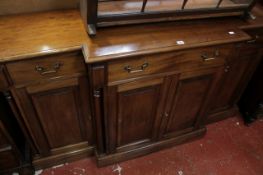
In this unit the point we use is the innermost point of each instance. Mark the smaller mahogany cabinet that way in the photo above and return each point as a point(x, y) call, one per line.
point(52, 96)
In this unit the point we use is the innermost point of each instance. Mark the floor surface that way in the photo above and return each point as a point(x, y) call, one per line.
point(228, 148)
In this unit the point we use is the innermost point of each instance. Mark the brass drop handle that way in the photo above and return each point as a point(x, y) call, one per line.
point(43, 71)
point(254, 40)
point(141, 68)
point(227, 68)
point(207, 58)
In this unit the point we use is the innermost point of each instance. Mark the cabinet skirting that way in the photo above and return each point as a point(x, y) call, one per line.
point(46, 162)
point(104, 160)
point(221, 115)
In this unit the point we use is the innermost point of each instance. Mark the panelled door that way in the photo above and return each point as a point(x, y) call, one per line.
point(188, 101)
point(134, 112)
point(57, 114)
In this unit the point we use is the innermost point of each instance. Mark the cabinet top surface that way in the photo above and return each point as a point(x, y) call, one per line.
point(31, 35)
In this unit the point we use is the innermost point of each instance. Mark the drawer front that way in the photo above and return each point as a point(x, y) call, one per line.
point(181, 61)
point(23, 72)
point(3, 81)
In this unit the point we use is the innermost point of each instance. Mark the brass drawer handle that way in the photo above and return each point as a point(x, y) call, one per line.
point(207, 58)
point(43, 71)
point(129, 69)
point(227, 68)
point(254, 40)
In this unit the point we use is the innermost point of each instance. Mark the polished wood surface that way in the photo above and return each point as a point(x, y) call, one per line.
point(134, 108)
point(184, 115)
point(64, 30)
point(188, 60)
point(120, 42)
point(49, 67)
point(25, 36)
point(135, 120)
point(63, 94)
point(66, 130)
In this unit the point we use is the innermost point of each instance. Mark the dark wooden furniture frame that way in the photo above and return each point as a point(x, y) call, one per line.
point(89, 11)
point(128, 91)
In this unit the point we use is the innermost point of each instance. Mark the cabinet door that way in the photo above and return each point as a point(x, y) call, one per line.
point(56, 114)
point(134, 113)
point(188, 101)
point(237, 73)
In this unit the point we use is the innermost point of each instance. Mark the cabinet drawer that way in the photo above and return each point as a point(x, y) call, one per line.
point(173, 61)
point(3, 81)
point(23, 72)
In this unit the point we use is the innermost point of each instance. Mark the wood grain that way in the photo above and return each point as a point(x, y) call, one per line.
point(121, 42)
point(68, 106)
point(171, 61)
point(25, 36)
point(184, 113)
point(24, 72)
point(50, 32)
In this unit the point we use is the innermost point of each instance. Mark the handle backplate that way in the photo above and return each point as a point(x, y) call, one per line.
point(141, 68)
point(43, 71)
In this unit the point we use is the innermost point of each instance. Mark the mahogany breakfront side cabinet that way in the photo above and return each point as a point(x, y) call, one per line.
point(123, 104)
